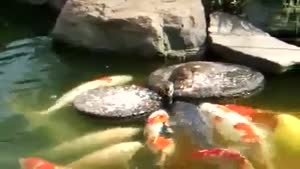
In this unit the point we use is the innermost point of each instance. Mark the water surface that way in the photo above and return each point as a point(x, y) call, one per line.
point(32, 80)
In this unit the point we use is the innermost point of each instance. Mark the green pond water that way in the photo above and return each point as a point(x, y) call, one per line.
point(31, 82)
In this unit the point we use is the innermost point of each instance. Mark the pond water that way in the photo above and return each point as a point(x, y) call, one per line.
point(31, 81)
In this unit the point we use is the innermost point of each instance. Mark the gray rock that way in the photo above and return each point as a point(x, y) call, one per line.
point(174, 28)
point(35, 2)
point(56, 4)
point(240, 42)
point(118, 102)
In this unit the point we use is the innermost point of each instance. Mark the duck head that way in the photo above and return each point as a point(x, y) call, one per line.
point(168, 91)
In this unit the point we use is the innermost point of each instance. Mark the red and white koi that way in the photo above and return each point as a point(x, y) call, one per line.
point(68, 97)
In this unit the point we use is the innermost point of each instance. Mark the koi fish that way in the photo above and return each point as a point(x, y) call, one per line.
point(95, 140)
point(225, 158)
point(37, 163)
point(231, 125)
point(158, 143)
point(101, 82)
point(116, 155)
point(156, 129)
point(157, 133)
point(238, 129)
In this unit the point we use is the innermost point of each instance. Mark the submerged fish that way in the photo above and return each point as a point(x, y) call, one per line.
point(118, 155)
point(101, 82)
point(95, 140)
point(37, 163)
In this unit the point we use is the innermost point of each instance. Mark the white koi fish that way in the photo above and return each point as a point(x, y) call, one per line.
point(117, 155)
point(101, 82)
point(95, 140)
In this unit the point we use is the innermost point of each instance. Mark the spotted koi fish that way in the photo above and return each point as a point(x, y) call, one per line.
point(233, 126)
point(68, 97)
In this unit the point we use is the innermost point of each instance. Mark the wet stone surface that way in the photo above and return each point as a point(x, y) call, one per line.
point(203, 80)
point(128, 101)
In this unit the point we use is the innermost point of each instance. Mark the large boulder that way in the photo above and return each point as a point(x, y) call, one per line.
point(56, 4)
point(175, 28)
point(240, 42)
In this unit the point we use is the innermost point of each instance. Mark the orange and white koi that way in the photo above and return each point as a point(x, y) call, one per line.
point(158, 143)
point(237, 129)
point(232, 125)
point(155, 131)
point(68, 97)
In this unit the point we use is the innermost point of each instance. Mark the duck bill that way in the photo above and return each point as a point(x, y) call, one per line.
point(36, 163)
point(170, 99)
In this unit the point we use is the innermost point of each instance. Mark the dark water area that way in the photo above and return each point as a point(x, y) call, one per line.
point(31, 81)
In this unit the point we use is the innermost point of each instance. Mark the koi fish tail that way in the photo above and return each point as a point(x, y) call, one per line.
point(43, 112)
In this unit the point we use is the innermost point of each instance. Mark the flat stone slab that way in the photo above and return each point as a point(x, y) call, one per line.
point(118, 102)
point(239, 41)
point(208, 80)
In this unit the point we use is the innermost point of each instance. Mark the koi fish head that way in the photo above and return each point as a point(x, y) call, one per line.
point(231, 124)
point(115, 80)
point(157, 131)
point(159, 117)
point(36, 163)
